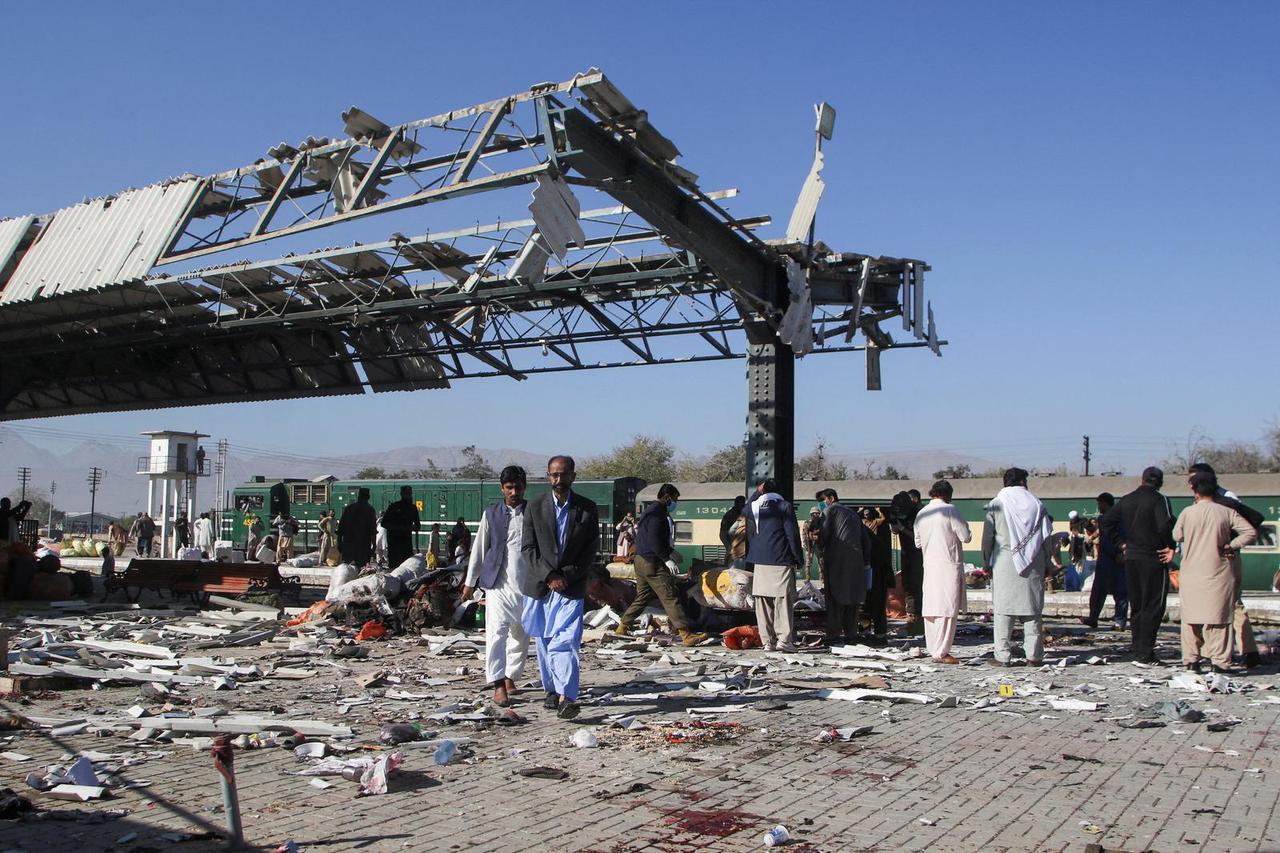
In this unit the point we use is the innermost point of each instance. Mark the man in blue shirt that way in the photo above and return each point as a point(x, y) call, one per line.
point(654, 547)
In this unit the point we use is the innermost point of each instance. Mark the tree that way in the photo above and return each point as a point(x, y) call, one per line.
point(1271, 442)
point(816, 465)
point(649, 457)
point(726, 465)
point(1232, 457)
point(476, 467)
point(954, 472)
point(371, 472)
point(1195, 449)
point(892, 473)
point(1236, 457)
point(431, 472)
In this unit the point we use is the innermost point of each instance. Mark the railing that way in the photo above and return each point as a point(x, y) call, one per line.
point(173, 465)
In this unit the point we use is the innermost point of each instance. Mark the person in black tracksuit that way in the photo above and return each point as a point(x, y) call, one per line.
point(1142, 526)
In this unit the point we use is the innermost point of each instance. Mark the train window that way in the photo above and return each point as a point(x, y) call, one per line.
point(320, 493)
point(246, 503)
point(300, 495)
point(684, 531)
point(1266, 537)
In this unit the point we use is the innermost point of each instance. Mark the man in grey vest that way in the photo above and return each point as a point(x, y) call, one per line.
point(499, 567)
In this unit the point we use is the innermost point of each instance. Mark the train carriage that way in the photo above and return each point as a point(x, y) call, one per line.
point(702, 505)
point(440, 502)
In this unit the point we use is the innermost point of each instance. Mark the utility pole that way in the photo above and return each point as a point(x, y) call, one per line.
point(95, 478)
point(220, 468)
point(1087, 456)
point(24, 477)
point(53, 490)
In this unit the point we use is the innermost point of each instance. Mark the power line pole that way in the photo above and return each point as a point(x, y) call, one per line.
point(24, 477)
point(1087, 456)
point(220, 467)
point(95, 478)
point(53, 490)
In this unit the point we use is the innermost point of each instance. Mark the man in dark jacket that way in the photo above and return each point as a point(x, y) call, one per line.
point(560, 543)
point(1142, 525)
point(846, 545)
point(881, 558)
point(1108, 572)
point(727, 521)
point(402, 523)
point(356, 530)
point(903, 512)
point(773, 554)
point(654, 547)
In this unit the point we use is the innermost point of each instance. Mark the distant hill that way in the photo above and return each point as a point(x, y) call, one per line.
point(123, 490)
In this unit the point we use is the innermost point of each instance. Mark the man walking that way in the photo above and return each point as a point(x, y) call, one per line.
point(846, 548)
point(941, 533)
point(1142, 525)
point(1108, 572)
point(356, 531)
point(654, 547)
point(1015, 537)
point(402, 524)
point(560, 541)
point(146, 534)
point(773, 553)
point(498, 566)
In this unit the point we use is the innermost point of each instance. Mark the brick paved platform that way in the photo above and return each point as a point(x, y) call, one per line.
point(927, 778)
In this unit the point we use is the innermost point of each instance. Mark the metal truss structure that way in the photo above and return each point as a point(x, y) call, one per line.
point(659, 273)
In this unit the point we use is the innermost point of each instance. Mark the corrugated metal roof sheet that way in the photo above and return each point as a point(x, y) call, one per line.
point(100, 242)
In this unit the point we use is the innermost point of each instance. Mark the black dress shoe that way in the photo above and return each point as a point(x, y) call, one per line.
point(568, 710)
point(1194, 667)
point(551, 702)
point(1252, 659)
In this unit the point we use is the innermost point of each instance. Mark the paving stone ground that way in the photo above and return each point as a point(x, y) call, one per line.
point(1015, 775)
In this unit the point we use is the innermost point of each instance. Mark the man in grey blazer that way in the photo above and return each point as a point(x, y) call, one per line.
point(560, 544)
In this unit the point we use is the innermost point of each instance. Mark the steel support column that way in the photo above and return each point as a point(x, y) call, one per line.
point(771, 420)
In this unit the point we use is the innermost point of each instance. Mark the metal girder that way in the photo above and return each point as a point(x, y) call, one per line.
point(624, 172)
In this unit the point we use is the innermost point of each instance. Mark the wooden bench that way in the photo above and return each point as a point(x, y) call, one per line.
point(211, 578)
point(144, 573)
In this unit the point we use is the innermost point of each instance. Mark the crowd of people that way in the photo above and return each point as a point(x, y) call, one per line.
point(1135, 542)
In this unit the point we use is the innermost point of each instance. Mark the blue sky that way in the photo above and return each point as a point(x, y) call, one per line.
point(1095, 185)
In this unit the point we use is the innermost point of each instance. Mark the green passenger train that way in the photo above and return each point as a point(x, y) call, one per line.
point(697, 517)
point(440, 502)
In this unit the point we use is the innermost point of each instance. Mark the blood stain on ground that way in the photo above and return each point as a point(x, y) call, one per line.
point(717, 822)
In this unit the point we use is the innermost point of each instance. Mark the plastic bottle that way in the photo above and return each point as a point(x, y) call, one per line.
point(777, 835)
point(445, 751)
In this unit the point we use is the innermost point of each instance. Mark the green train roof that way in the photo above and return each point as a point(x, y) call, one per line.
point(976, 488)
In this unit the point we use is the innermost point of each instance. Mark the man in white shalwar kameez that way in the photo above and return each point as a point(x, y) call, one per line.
point(204, 533)
point(499, 567)
point(1014, 535)
point(940, 533)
